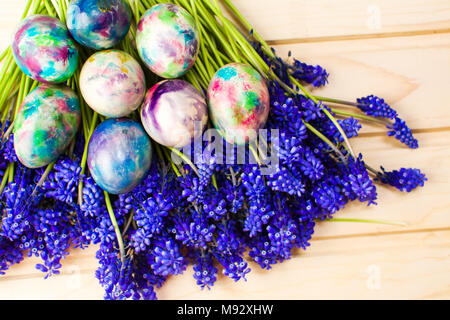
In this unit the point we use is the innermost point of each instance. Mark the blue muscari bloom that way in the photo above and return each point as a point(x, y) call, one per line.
point(287, 180)
point(193, 229)
point(206, 164)
point(150, 220)
point(17, 212)
point(286, 115)
point(62, 182)
point(93, 199)
point(405, 179)
point(262, 253)
point(328, 196)
point(10, 254)
point(234, 266)
point(314, 75)
point(167, 258)
point(204, 271)
point(289, 149)
point(9, 153)
point(256, 219)
point(311, 166)
point(258, 195)
point(376, 107)
point(310, 110)
point(282, 235)
point(215, 207)
point(234, 196)
point(193, 190)
point(401, 132)
point(350, 126)
point(357, 183)
point(112, 275)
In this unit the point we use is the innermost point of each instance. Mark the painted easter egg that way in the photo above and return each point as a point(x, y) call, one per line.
point(43, 49)
point(112, 82)
point(45, 124)
point(119, 155)
point(168, 40)
point(239, 102)
point(174, 113)
point(98, 24)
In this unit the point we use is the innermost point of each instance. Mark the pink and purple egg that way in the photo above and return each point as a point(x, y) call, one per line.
point(46, 123)
point(167, 40)
point(174, 113)
point(119, 155)
point(98, 24)
point(239, 102)
point(43, 49)
point(112, 82)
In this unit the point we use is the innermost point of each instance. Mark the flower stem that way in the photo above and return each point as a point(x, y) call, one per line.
point(185, 159)
point(116, 227)
point(338, 101)
point(360, 116)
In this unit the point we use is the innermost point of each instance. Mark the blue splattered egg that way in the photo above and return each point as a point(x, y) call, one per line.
point(119, 155)
point(98, 24)
point(43, 49)
point(167, 40)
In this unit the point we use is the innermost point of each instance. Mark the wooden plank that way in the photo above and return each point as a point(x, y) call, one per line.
point(402, 266)
point(293, 19)
point(411, 73)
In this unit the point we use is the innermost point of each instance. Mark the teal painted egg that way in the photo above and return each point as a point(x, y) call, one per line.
point(239, 102)
point(46, 123)
point(43, 49)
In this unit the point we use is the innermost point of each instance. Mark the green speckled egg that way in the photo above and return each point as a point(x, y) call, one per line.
point(46, 122)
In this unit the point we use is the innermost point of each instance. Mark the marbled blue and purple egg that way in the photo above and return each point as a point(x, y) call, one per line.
point(239, 102)
point(43, 49)
point(46, 123)
point(168, 40)
point(112, 82)
point(119, 155)
point(174, 113)
point(98, 24)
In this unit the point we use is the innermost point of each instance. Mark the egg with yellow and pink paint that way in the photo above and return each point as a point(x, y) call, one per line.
point(112, 83)
point(167, 40)
point(174, 113)
point(239, 102)
point(46, 123)
point(43, 49)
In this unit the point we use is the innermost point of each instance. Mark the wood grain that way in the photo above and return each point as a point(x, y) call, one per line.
point(404, 57)
point(303, 19)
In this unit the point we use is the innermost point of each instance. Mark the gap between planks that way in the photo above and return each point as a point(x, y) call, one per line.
point(359, 36)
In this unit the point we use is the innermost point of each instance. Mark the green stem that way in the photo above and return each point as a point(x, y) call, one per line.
point(185, 159)
point(116, 227)
point(326, 140)
point(5, 178)
point(338, 101)
point(360, 116)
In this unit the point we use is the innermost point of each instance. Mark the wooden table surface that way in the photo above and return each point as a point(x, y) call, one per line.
point(396, 49)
